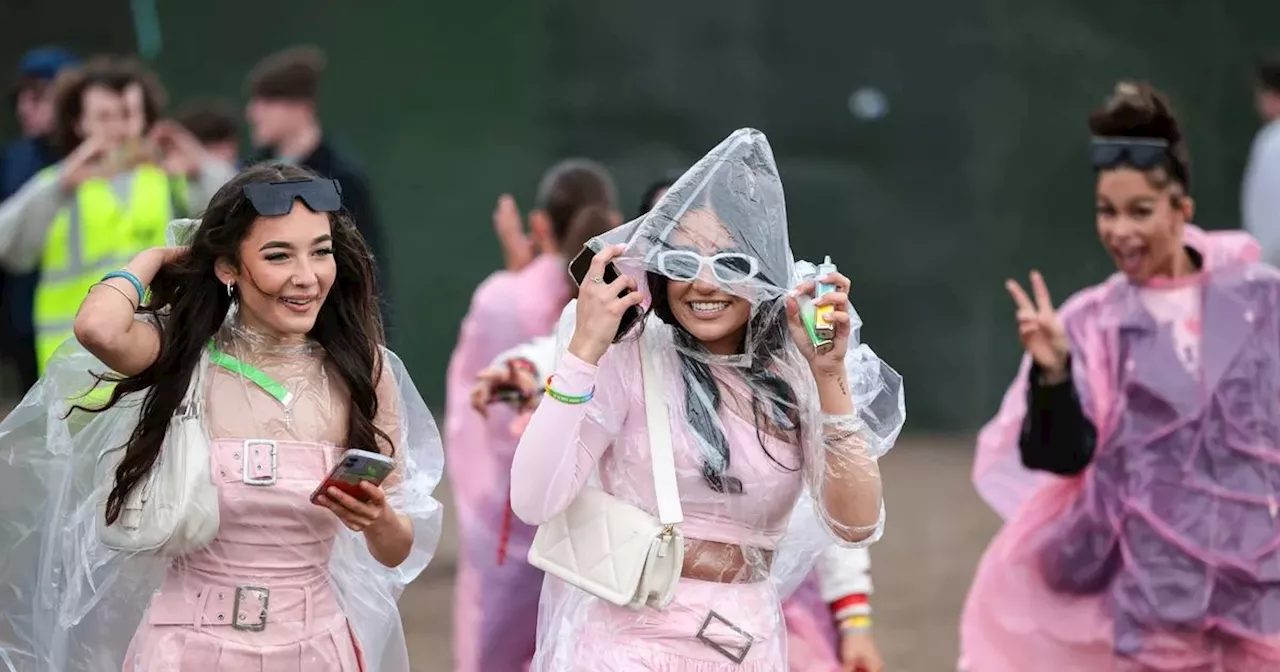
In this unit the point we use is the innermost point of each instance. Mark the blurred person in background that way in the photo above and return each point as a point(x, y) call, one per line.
point(496, 599)
point(213, 123)
point(284, 125)
point(1261, 191)
point(121, 177)
point(524, 366)
point(19, 162)
point(828, 617)
point(33, 108)
point(1135, 458)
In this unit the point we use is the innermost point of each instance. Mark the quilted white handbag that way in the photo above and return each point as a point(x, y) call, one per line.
point(173, 510)
point(614, 549)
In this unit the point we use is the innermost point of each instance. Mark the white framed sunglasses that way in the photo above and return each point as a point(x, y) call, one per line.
point(727, 267)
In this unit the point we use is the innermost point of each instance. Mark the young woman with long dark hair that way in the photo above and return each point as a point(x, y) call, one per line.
point(269, 306)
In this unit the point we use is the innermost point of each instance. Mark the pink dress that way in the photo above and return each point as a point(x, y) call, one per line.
point(259, 598)
point(812, 640)
point(496, 595)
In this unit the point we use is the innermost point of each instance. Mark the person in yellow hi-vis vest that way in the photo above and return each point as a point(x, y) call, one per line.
point(123, 178)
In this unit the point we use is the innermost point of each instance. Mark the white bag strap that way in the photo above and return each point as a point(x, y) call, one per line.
point(193, 401)
point(657, 416)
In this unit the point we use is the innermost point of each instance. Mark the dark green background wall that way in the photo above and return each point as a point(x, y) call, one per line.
point(977, 172)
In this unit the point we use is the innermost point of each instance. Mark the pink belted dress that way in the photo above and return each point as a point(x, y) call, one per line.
point(259, 598)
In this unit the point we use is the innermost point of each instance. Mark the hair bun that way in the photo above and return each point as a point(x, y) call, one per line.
point(1136, 110)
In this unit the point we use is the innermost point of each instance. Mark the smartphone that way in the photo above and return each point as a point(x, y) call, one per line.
point(578, 271)
point(354, 467)
point(509, 394)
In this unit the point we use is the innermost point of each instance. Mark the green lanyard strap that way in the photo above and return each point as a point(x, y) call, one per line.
point(256, 376)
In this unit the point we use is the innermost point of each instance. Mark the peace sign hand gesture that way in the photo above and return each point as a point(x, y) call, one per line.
point(1040, 329)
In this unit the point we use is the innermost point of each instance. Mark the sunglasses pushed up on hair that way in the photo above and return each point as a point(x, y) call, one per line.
point(1140, 153)
point(272, 199)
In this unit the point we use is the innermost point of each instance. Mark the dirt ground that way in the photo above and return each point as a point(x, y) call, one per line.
point(937, 528)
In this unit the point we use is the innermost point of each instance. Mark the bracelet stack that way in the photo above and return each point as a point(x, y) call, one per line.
point(852, 613)
point(568, 398)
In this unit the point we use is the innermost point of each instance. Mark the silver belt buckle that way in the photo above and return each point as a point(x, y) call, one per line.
point(736, 656)
point(245, 461)
point(237, 618)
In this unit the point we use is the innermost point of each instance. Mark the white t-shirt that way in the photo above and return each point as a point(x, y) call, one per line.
point(1260, 192)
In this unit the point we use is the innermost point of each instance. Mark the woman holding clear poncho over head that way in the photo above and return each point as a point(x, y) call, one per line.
point(271, 310)
point(757, 415)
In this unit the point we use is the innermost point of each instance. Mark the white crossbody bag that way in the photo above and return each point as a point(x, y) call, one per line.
point(173, 510)
point(611, 548)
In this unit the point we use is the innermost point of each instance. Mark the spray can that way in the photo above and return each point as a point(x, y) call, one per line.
point(822, 324)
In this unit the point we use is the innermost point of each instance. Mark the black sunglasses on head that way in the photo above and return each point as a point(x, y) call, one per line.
point(272, 199)
point(1141, 153)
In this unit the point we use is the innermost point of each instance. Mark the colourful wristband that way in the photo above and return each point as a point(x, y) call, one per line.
point(855, 604)
point(857, 623)
point(568, 398)
point(133, 280)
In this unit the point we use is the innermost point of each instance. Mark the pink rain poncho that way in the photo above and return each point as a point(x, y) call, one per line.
point(1164, 553)
point(766, 480)
point(496, 598)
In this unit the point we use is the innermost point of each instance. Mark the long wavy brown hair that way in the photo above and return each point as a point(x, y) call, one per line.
point(189, 294)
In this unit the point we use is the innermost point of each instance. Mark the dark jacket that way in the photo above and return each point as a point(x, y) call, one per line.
point(19, 162)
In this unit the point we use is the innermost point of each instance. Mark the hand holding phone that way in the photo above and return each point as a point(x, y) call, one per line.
point(608, 303)
point(353, 490)
point(354, 467)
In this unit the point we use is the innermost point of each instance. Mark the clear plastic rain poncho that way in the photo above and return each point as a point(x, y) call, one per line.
point(310, 590)
point(766, 479)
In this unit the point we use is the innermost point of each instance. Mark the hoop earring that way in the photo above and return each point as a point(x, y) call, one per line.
point(230, 286)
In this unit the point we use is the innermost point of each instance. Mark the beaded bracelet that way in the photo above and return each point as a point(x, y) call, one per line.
point(568, 398)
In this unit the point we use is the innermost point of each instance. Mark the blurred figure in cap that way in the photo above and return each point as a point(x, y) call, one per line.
point(33, 107)
point(20, 161)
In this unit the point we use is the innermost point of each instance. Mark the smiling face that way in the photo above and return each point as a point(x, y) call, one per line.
point(286, 271)
point(1140, 219)
point(701, 262)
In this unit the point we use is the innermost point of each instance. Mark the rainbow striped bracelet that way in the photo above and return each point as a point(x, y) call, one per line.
point(568, 398)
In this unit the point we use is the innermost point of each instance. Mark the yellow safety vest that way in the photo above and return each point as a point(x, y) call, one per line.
point(94, 235)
